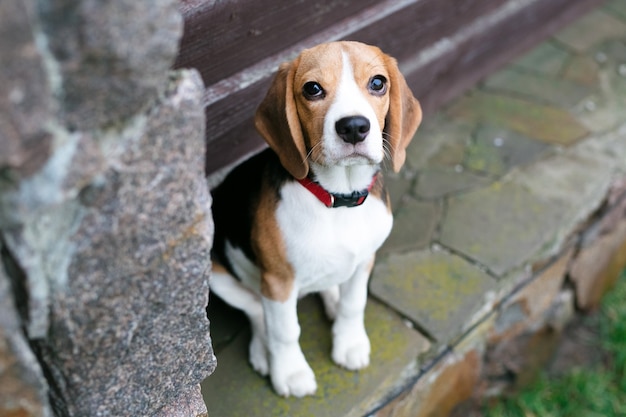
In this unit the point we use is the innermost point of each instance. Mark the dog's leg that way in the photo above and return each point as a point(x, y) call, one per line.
point(330, 298)
point(289, 371)
point(237, 295)
point(351, 346)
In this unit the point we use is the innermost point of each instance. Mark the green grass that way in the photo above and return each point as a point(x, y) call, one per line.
point(581, 392)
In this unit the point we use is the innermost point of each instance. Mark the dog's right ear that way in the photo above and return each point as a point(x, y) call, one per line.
point(277, 120)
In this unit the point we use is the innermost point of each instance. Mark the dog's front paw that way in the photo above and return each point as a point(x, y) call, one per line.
point(258, 356)
point(296, 381)
point(351, 351)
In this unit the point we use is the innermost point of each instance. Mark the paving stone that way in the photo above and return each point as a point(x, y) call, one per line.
point(546, 58)
point(582, 69)
point(398, 186)
point(607, 108)
point(541, 88)
point(617, 8)
point(530, 213)
point(415, 222)
point(440, 142)
point(614, 53)
point(576, 181)
point(439, 182)
point(439, 291)
point(546, 123)
point(590, 30)
point(500, 226)
point(495, 150)
point(235, 389)
point(476, 338)
point(600, 113)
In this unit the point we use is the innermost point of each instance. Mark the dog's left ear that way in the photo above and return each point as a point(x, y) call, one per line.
point(403, 117)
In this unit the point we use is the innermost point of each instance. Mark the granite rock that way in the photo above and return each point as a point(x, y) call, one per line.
point(24, 92)
point(136, 284)
point(23, 389)
point(105, 224)
point(110, 57)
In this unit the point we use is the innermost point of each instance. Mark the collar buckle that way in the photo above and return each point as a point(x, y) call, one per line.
point(332, 200)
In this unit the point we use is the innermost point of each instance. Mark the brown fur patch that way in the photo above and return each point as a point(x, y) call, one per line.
point(218, 267)
point(321, 64)
point(277, 274)
point(379, 191)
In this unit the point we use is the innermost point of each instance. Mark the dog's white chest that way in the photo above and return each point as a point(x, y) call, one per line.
point(326, 245)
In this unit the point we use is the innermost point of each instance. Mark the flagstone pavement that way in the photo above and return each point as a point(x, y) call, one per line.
point(494, 185)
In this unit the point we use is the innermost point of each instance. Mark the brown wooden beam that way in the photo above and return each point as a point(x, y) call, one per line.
point(443, 47)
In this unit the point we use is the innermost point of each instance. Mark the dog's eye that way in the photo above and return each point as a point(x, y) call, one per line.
point(313, 91)
point(378, 85)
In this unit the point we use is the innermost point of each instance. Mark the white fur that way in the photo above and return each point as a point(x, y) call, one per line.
point(330, 249)
point(350, 101)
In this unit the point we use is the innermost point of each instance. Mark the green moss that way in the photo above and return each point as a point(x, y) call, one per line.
point(236, 390)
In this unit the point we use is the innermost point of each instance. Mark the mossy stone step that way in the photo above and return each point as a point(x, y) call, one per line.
point(236, 390)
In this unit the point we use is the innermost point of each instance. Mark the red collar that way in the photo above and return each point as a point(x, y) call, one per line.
point(356, 198)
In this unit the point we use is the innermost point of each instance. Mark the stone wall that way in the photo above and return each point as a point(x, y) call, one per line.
point(105, 226)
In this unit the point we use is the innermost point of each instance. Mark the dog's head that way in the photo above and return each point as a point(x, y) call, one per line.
point(339, 103)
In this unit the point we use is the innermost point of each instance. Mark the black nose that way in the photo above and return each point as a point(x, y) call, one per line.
point(353, 129)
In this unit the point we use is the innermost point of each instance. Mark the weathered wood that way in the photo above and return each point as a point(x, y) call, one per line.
point(443, 47)
point(224, 37)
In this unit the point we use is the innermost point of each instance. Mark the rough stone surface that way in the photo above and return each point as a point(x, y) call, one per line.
point(546, 58)
point(496, 150)
point(603, 111)
point(545, 89)
point(549, 124)
point(437, 290)
point(597, 267)
point(25, 103)
point(439, 142)
point(416, 222)
point(592, 29)
point(235, 389)
point(436, 183)
point(470, 229)
point(136, 287)
point(23, 389)
point(582, 69)
point(106, 230)
point(451, 382)
point(102, 50)
point(529, 305)
point(618, 8)
point(540, 204)
point(189, 404)
point(397, 186)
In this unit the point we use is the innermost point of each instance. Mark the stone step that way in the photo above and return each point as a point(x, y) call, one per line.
point(508, 196)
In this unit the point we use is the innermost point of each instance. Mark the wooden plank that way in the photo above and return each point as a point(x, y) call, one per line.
point(443, 47)
point(224, 37)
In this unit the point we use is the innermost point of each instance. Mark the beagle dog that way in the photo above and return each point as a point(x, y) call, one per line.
point(308, 213)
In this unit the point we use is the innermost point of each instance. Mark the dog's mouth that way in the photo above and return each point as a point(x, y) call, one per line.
point(357, 157)
point(339, 153)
